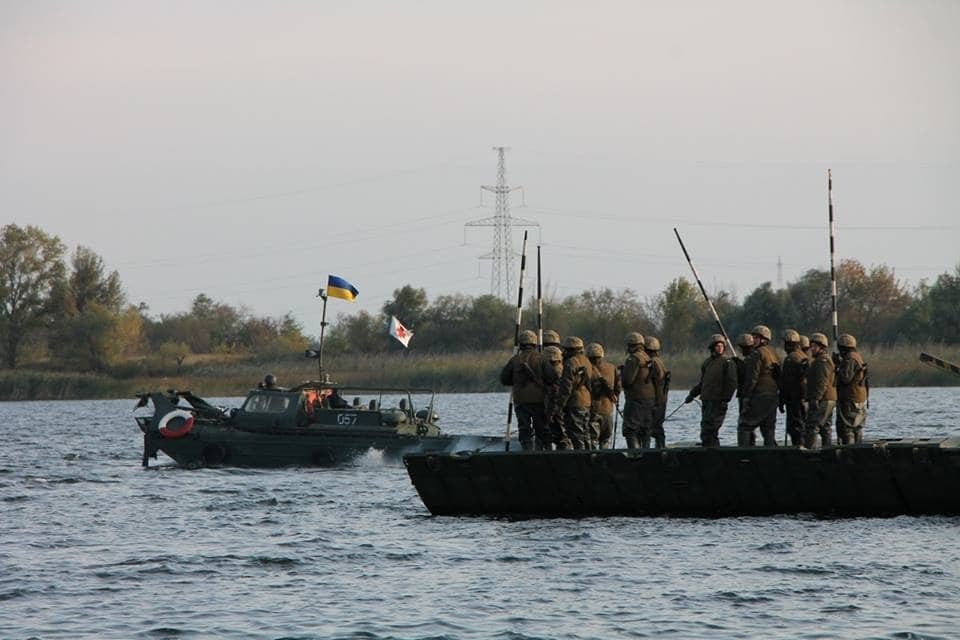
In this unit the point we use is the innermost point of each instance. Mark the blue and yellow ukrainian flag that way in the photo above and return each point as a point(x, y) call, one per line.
point(340, 288)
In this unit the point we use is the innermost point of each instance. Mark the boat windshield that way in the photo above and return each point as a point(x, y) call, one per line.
point(266, 403)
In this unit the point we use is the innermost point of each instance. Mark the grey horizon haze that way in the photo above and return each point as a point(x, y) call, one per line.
point(246, 150)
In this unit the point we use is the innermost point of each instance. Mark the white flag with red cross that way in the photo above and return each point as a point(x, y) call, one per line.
point(400, 332)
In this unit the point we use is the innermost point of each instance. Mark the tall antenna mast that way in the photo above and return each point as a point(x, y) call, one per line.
point(501, 269)
point(779, 272)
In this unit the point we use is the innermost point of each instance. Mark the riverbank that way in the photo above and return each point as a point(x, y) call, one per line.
point(461, 372)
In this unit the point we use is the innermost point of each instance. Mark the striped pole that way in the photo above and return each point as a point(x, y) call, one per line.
point(713, 309)
point(539, 305)
point(833, 270)
point(516, 336)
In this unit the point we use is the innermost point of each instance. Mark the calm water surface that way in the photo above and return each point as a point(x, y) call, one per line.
point(93, 546)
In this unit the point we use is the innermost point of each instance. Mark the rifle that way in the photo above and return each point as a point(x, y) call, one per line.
point(937, 362)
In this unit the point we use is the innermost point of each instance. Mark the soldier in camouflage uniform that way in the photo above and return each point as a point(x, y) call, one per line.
point(660, 377)
point(852, 391)
point(574, 393)
point(552, 339)
point(761, 391)
point(821, 393)
point(606, 397)
point(639, 394)
point(552, 370)
point(793, 386)
point(745, 342)
point(524, 372)
point(718, 381)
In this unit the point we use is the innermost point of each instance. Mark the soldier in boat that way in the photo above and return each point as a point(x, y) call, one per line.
point(574, 393)
point(852, 390)
point(745, 342)
point(524, 372)
point(718, 381)
point(640, 394)
point(793, 383)
point(552, 370)
point(660, 377)
point(605, 393)
point(821, 393)
point(761, 391)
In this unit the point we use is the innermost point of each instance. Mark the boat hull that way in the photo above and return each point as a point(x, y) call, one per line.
point(225, 445)
point(880, 478)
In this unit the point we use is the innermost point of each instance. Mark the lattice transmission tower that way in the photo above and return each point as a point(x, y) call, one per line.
point(502, 254)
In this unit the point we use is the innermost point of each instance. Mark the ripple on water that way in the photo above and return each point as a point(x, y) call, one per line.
point(350, 552)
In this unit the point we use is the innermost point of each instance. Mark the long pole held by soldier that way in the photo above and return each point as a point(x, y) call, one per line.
point(539, 305)
point(833, 270)
point(516, 337)
point(713, 309)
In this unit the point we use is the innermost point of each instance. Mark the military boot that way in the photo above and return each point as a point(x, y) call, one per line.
point(745, 438)
point(632, 441)
point(826, 438)
point(769, 436)
point(661, 442)
point(526, 445)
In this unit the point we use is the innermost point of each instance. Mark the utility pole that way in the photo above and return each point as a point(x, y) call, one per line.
point(779, 272)
point(501, 256)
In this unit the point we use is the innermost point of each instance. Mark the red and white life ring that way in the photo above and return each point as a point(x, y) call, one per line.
point(176, 430)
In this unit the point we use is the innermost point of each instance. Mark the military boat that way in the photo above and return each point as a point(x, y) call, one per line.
point(308, 425)
point(880, 478)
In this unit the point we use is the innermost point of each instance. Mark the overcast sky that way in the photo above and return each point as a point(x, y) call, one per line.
point(247, 149)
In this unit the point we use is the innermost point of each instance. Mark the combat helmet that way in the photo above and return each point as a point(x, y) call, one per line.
point(551, 337)
point(847, 341)
point(527, 338)
point(763, 331)
point(652, 344)
point(790, 335)
point(553, 354)
point(745, 340)
point(595, 350)
point(715, 338)
point(573, 342)
point(634, 338)
point(804, 342)
point(820, 339)
point(270, 381)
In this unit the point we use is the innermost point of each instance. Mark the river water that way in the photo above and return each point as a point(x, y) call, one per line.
point(93, 546)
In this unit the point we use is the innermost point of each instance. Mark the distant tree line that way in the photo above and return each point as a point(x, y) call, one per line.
point(69, 313)
point(73, 314)
point(873, 305)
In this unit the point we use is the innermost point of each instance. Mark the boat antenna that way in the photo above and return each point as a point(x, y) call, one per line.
point(833, 270)
point(713, 309)
point(516, 337)
point(539, 305)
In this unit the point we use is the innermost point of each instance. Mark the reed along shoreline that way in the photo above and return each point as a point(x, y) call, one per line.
point(470, 372)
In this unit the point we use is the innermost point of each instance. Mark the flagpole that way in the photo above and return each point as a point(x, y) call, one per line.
point(516, 336)
point(323, 326)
